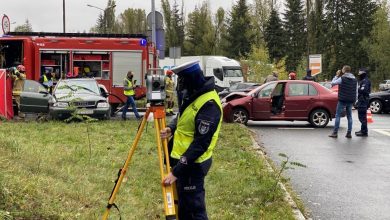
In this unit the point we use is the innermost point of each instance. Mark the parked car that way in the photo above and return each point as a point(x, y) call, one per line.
point(385, 85)
point(238, 87)
point(289, 100)
point(82, 95)
point(328, 85)
point(380, 102)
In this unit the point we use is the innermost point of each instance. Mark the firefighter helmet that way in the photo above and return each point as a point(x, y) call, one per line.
point(292, 76)
point(21, 68)
point(169, 73)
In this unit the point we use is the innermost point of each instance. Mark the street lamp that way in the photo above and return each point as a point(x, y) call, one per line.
point(104, 14)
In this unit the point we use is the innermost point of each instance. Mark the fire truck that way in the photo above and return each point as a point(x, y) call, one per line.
point(105, 57)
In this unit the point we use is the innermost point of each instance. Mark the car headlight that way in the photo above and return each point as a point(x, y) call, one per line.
point(61, 104)
point(103, 105)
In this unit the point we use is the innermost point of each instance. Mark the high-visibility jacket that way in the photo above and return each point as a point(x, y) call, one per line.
point(128, 92)
point(185, 130)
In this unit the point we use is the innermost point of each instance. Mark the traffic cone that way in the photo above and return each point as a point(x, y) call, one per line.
point(369, 116)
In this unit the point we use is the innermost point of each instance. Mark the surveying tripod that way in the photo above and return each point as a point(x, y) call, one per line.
point(169, 192)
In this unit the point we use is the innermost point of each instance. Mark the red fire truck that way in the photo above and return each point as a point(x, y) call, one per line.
point(106, 57)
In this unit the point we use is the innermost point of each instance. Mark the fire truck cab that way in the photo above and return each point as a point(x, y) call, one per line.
point(105, 57)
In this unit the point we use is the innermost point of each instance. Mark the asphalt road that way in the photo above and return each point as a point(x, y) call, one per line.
point(345, 178)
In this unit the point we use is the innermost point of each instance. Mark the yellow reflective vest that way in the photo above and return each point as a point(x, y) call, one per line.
point(185, 130)
point(128, 92)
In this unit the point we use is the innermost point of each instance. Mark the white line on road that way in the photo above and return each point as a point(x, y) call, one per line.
point(295, 128)
point(383, 131)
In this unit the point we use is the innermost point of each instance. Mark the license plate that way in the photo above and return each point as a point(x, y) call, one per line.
point(84, 111)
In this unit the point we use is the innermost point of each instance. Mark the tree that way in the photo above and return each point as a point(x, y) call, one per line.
point(174, 24)
point(358, 26)
point(296, 35)
point(220, 31)
point(378, 44)
point(315, 28)
point(259, 64)
point(200, 32)
point(106, 20)
point(260, 15)
point(26, 27)
point(239, 31)
point(275, 37)
point(131, 21)
point(335, 22)
point(109, 16)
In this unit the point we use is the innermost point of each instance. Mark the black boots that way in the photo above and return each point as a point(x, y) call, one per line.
point(361, 134)
point(333, 135)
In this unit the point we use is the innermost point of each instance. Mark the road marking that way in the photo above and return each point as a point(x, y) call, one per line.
point(295, 128)
point(383, 131)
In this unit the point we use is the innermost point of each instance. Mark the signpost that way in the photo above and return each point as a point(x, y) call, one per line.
point(315, 64)
point(5, 24)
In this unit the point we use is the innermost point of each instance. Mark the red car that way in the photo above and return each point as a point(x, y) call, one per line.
point(287, 100)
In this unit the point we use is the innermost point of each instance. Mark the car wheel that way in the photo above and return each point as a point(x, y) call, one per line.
point(240, 115)
point(376, 106)
point(319, 118)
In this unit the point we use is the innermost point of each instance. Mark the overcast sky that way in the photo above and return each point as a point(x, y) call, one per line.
point(46, 15)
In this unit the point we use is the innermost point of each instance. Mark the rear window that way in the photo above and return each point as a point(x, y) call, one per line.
point(301, 89)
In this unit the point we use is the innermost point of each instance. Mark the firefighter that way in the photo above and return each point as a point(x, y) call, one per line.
point(169, 89)
point(128, 90)
point(18, 76)
point(195, 133)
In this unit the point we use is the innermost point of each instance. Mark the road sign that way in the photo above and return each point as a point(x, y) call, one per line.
point(315, 64)
point(159, 20)
point(5, 24)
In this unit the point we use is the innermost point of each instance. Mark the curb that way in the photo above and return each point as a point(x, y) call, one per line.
point(259, 150)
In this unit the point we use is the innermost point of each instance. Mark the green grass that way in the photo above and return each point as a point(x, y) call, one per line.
point(51, 171)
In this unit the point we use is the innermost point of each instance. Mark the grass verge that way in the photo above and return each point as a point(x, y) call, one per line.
point(51, 171)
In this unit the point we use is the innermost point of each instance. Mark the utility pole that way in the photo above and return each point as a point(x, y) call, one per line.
point(63, 15)
point(153, 23)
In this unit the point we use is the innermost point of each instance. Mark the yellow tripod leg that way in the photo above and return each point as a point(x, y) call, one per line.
point(162, 147)
point(123, 170)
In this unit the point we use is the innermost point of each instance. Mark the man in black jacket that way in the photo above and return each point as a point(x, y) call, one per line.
point(347, 96)
point(364, 91)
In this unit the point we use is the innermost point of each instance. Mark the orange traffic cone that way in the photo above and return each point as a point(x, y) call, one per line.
point(369, 116)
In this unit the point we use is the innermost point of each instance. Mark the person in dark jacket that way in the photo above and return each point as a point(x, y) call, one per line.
point(347, 97)
point(364, 91)
point(308, 75)
point(195, 133)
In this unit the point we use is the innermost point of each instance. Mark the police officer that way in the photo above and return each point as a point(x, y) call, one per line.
point(364, 91)
point(169, 89)
point(195, 134)
point(128, 91)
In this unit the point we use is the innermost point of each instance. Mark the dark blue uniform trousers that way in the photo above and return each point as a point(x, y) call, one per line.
point(362, 114)
point(191, 192)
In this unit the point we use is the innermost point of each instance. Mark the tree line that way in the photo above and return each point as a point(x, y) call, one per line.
point(345, 32)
